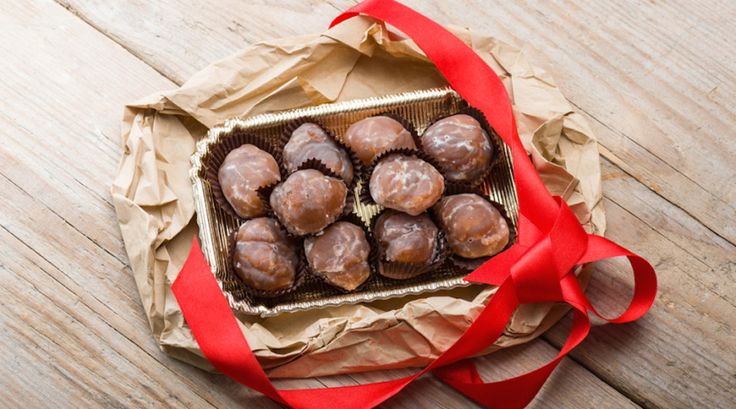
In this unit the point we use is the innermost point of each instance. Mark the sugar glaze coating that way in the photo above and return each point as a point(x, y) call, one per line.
point(308, 201)
point(406, 183)
point(473, 226)
point(264, 257)
point(460, 146)
point(244, 170)
point(340, 255)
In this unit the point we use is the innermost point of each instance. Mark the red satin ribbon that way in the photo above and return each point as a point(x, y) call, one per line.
point(538, 268)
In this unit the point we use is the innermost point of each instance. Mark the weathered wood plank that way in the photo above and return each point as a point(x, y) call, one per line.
point(569, 387)
point(565, 381)
point(172, 36)
point(681, 354)
point(561, 391)
point(76, 346)
point(657, 73)
point(74, 333)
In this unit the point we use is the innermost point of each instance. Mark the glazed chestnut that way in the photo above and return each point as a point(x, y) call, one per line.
point(473, 226)
point(310, 141)
point(340, 255)
point(406, 239)
point(460, 146)
point(406, 183)
point(308, 201)
point(372, 136)
point(264, 257)
point(244, 170)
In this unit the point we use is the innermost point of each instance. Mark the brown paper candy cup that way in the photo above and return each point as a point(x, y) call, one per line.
point(404, 271)
point(354, 161)
point(255, 292)
point(264, 193)
point(216, 157)
point(353, 219)
point(316, 164)
point(404, 123)
point(470, 264)
point(365, 194)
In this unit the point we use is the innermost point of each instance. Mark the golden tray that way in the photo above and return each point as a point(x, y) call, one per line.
point(215, 226)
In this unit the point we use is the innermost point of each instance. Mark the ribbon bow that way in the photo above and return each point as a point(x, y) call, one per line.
point(538, 268)
point(539, 261)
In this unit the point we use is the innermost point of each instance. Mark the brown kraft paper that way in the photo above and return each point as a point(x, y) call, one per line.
point(152, 193)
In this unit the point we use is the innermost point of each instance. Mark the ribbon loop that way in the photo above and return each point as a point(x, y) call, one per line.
point(569, 239)
point(550, 256)
point(534, 275)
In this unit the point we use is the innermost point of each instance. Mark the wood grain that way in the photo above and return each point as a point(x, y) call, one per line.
point(681, 354)
point(71, 315)
point(70, 309)
point(654, 73)
point(560, 391)
point(180, 38)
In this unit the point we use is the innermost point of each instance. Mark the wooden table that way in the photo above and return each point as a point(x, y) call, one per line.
point(656, 79)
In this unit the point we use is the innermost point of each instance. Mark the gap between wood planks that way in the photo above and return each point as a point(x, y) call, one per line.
point(608, 154)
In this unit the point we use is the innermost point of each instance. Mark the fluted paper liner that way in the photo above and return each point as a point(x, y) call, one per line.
point(365, 194)
point(464, 264)
point(495, 141)
point(238, 284)
point(316, 164)
point(354, 161)
point(403, 271)
point(216, 155)
point(354, 219)
point(405, 123)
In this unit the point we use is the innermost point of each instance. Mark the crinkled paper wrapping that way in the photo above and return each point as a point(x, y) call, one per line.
point(357, 59)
